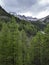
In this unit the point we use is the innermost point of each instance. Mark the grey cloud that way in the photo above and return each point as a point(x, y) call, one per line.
point(21, 6)
point(37, 8)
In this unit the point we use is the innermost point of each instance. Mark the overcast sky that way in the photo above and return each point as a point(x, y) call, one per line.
point(34, 8)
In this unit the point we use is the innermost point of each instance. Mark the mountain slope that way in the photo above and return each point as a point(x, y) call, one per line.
point(4, 15)
point(3, 12)
point(39, 23)
point(45, 19)
point(22, 17)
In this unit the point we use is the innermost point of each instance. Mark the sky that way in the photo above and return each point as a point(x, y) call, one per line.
point(34, 8)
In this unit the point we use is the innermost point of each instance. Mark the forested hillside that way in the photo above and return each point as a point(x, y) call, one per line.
point(23, 42)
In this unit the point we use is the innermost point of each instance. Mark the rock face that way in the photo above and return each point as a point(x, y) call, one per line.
point(26, 18)
point(45, 19)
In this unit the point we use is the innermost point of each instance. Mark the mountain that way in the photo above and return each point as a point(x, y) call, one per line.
point(6, 15)
point(32, 19)
point(26, 18)
point(45, 19)
point(3, 12)
point(23, 17)
point(38, 23)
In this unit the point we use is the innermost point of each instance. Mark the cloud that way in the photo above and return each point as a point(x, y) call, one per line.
point(35, 8)
point(18, 5)
point(1, 3)
point(26, 13)
point(42, 14)
point(44, 2)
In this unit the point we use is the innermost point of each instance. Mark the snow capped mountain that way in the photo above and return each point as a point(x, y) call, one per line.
point(45, 19)
point(32, 19)
point(29, 18)
point(26, 18)
point(4, 14)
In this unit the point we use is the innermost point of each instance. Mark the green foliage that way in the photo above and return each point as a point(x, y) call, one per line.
point(22, 44)
point(47, 29)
